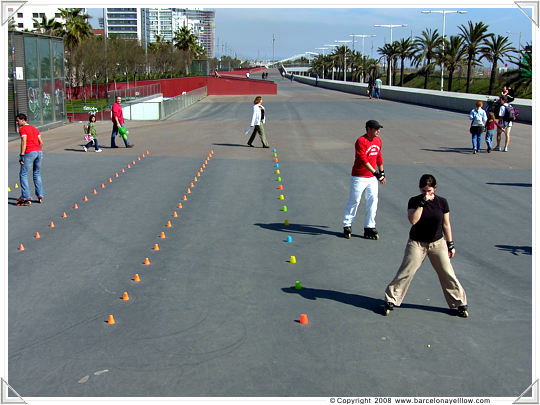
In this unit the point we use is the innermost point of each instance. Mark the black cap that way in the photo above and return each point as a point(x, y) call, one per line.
point(373, 124)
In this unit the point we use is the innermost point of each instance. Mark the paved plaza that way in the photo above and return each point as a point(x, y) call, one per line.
point(216, 312)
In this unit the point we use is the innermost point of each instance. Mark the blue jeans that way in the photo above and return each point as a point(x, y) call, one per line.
point(489, 138)
point(29, 159)
point(476, 133)
point(93, 142)
point(377, 92)
point(114, 133)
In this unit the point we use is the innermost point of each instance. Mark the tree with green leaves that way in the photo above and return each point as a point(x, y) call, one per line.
point(405, 51)
point(474, 36)
point(388, 52)
point(75, 27)
point(48, 26)
point(495, 49)
point(187, 42)
point(427, 46)
point(454, 55)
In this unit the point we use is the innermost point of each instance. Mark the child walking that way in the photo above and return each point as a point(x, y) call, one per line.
point(490, 130)
point(90, 130)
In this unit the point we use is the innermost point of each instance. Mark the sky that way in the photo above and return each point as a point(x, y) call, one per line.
point(248, 32)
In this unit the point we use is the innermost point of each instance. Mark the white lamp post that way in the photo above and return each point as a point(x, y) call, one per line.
point(443, 12)
point(322, 49)
point(363, 36)
point(344, 59)
point(332, 60)
point(390, 26)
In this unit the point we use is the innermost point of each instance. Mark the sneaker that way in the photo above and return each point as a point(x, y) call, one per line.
point(130, 145)
point(24, 203)
point(496, 148)
point(114, 147)
point(347, 232)
point(99, 150)
point(40, 200)
point(266, 146)
point(388, 306)
point(506, 149)
point(84, 148)
point(462, 311)
point(474, 151)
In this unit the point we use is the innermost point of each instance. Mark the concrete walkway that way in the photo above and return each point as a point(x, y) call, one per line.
point(216, 313)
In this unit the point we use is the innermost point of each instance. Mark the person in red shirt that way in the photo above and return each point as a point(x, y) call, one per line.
point(30, 157)
point(118, 121)
point(365, 176)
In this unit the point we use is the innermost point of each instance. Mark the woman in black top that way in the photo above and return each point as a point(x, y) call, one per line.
point(430, 218)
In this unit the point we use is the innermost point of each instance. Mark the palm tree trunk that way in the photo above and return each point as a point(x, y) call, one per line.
point(492, 77)
point(388, 73)
point(469, 66)
point(450, 74)
point(401, 72)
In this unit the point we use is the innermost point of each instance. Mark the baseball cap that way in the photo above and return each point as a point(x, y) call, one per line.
point(373, 124)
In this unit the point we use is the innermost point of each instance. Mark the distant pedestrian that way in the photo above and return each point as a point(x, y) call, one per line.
point(371, 86)
point(257, 120)
point(216, 73)
point(118, 121)
point(490, 130)
point(430, 219)
point(317, 80)
point(292, 77)
point(506, 123)
point(30, 157)
point(510, 95)
point(478, 119)
point(365, 176)
point(91, 134)
point(378, 87)
point(247, 75)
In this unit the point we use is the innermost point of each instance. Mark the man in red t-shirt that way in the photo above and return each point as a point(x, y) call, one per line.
point(30, 156)
point(118, 121)
point(364, 176)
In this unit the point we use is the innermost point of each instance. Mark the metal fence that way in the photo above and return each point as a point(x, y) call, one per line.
point(175, 104)
point(133, 93)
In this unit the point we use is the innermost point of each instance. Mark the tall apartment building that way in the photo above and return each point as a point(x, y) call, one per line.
point(123, 22)
point(24, 17)
point(165, 21)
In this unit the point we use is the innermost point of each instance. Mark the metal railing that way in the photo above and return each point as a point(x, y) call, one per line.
point(175, 104)
point(133, 93)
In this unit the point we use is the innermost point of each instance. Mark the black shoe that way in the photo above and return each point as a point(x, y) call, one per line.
point(266, 146)
point(388, 306)
point(371, 233)
point(130, 145)
point(250, 145)
point(347, 232)
point(489, 150)
point(462, 311)
point(114, 146)
point(23, 203)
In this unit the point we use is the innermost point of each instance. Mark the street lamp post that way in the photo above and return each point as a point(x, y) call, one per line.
point(332, 60)
point(344, 59)
point(508, 32)
point(390, 26)
point(443, 12)
point(323, 49)
point(363, 36)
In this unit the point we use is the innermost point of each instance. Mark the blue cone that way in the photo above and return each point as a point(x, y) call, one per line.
point(289, 239)
point(274, 151)
point(277, 164)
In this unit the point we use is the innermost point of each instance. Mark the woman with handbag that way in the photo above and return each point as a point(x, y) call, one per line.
point(478, 119)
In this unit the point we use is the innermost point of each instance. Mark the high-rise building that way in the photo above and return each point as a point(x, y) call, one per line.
point(123, 22)
point(25, 16)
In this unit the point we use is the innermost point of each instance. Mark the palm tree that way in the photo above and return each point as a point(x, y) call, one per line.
point(427, 45)
point(48, 26)
point(405, 51)
point(76, 27)
point(474, 36)
point(454, 55)
point(187, 42)
point(387, 51)
point(495, 50)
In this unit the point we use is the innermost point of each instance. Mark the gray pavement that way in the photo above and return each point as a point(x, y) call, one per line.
point(215, 313)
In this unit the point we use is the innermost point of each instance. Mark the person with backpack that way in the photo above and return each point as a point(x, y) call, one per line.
point(91, 134)
point(507, 115)
point(478, 119)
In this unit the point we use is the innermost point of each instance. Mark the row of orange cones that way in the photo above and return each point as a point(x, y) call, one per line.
point(136, 278)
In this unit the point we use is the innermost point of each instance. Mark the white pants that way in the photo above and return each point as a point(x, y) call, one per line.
point(358, 185)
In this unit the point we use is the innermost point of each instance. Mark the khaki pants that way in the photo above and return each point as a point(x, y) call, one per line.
point(415, 253)
point(260, 130)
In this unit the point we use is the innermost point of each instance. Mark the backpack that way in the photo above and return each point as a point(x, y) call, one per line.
point(510, 113)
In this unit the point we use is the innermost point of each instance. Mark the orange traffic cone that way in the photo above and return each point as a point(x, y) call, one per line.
point(21, 247)
point(204, 166)
point(143, 155)
point(133, 162)
point(188, 191)
point(156, 247)
point(195, 179)
point(51, 224)
point(175, 214)
point(136, 279)
point(169, 225)
point(162, 236)
point(128, 166)
point(199, 173)
point(111, 320)
point(37, 235)
point(125, 297)
point(147, 152)
point(110, 180)
point(85, 198)
point(184, 198)
point(138, 158)
point(304, 319)
point(102, 185)
point(179, 205)
point(94, 192)
point(191, 184)
point(64, 215)
point(123, 170)
point(146, 261)
point(75, 207)
point(116, 174)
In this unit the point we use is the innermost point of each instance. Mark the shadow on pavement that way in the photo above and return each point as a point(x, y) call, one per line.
point(299, 228)
point(463, 151)
point(232, 144)
point(511, 184)
point(516, 250)
point(357, 300)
